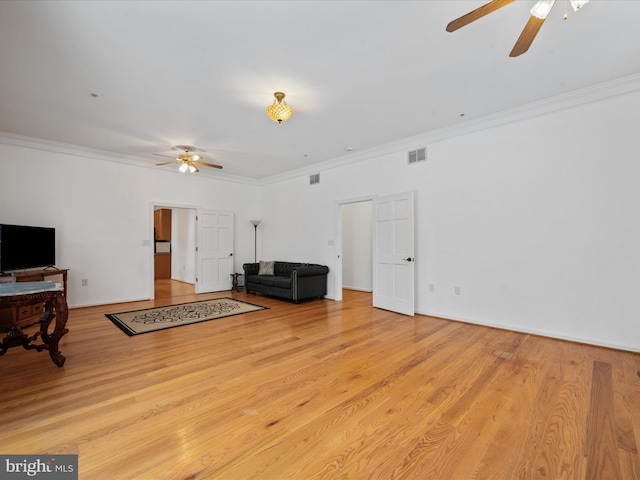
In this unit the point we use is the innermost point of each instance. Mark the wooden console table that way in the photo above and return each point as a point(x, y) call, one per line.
point(29, 314)
point(41, 275)
point(55, 307)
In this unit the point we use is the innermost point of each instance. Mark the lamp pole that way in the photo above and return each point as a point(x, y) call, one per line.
point(255, 224)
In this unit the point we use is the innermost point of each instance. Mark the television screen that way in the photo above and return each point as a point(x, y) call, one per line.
point(23, 247)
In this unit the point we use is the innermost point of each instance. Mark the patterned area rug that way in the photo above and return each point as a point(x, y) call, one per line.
point(153, 319)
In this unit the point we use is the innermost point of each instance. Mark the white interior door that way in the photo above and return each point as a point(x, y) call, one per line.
point(214, 251)
point(393, 253)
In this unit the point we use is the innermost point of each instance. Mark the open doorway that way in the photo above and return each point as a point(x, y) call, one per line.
point(357, 270)
point(174, 259)
point(354, 244)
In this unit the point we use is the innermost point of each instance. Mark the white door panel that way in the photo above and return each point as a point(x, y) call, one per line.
point(393, 251)
point(214, 252)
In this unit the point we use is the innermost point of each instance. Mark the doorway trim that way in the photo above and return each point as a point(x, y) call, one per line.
point(337, 215)
point(152, 206)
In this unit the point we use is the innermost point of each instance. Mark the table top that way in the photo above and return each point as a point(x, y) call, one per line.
point(24, 288)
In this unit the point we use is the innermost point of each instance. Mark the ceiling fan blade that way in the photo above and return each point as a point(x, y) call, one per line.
point(165, 163)
point(476, 14)
point(205, 164)
point(166, 156)
point(527, 36)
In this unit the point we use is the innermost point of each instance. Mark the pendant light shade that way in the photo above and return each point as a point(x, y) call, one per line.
point(279, 111)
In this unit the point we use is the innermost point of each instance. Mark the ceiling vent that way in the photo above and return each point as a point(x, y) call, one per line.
point(313, 179)
point(415, 156)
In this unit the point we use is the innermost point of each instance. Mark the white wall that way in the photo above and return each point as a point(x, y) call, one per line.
point(536, 222)
point(357, 269)
point(102, 215)
point(183, 240)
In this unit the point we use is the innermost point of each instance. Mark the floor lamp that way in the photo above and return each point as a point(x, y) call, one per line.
point(255, 224)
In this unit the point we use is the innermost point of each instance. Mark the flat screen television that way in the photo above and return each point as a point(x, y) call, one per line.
point(23, 247)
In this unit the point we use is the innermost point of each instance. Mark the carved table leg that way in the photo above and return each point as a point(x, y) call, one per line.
point(55, 308)
point(61, 315)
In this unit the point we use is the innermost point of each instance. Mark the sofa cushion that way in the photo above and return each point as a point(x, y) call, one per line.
point(268, 280)
point(266, 268)
point(280, 282)
point(253, 279)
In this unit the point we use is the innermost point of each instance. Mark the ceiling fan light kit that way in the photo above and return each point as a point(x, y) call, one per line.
point(578, 4)
point(187, 162)
point(539, 14)
point(279, 111)
point(542, 8)
point(188, 167)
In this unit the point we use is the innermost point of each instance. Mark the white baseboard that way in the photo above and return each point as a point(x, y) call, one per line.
point(541, 333)
point(108, 302)
point(358, 289)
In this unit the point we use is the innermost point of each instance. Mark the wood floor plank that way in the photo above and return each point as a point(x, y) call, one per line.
point(631, 387)
point(602, 445)
point(623, 421)
point(321, 390)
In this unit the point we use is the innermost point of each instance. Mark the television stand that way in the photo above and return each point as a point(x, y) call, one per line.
point(25, 315)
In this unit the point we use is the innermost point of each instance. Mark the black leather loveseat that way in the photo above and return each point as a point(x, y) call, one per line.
point(293, 281)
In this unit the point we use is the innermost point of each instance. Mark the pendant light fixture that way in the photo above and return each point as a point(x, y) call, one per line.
point(279, 111)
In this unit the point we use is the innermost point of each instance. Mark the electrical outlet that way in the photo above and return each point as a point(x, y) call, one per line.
point(432, 287)
point(85, 282)
point(456, 290)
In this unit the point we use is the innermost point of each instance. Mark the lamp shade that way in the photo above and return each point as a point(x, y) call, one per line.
point(255, 224)
point(279, 111)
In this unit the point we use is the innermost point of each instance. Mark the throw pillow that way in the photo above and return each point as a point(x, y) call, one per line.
point(266, 268)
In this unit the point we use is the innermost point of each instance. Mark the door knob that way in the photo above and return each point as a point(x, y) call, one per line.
point(408, 259)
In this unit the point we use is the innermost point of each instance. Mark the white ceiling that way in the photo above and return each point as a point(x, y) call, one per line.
point(358, 74)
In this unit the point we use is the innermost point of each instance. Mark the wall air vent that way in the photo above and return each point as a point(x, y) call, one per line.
point(313, 179)
point(415, 156)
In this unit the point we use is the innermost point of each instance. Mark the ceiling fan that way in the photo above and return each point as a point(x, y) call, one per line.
point(539, 14)
point(188, 161)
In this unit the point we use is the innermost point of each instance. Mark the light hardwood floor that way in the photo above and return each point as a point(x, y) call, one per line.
point(322, 390)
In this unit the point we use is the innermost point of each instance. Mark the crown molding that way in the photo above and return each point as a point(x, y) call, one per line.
point(594, 93)
point(106, 156)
